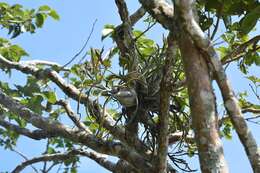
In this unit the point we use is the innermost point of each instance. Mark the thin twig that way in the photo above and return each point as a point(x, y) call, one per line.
point(215, 29)
point(25, 158)
point(84, 46)
point(147, 29)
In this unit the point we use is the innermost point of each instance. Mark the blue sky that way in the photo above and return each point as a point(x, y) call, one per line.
point(59, 41)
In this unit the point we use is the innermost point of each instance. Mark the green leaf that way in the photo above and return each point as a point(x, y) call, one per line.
point(257, 60)
point(50, 96)
point(44, 8)
point(18, 51)
point(4, 5)
point(73, 170)
point(254, 79)
point(11, 52)
point(106, 63)
point(243, 68)
point(250, 20)
point(107, 31)
point(51, 150)
point(249, 58)
point(54, 15)
point(40, 19)
point(223, 51)
point(16, 31)
point(34, 103)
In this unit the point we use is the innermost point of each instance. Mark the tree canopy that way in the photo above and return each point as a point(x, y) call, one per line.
point(145, 102)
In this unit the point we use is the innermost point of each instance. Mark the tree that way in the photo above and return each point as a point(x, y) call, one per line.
point(165, 91)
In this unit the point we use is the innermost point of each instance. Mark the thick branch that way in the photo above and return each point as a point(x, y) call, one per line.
point(123, 12)
point(35, 134)
point(165, 89)
point(231, 103)
point(160, 10)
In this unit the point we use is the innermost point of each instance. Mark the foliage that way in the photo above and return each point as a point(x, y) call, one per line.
point(96, 75)
point(18, 20)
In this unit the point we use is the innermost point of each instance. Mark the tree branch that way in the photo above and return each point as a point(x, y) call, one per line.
point(215, 29)
point(251, 110)
point(118, 132)
point(240, 49)
point(161, 11)
point(69, 90)
point(72, 115)
point(43, 63)
point(165, 89)
point(244, 110)
point(178, 136)
point(26, 158)
point(35, 134)
point(124, 36)
point(136, 16)
point(107, 147)
point(127, 48)
point(231, 103)
point(65, 156)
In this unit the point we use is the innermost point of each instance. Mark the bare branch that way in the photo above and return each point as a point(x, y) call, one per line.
point(123, 11)
point(73, 116)
point(65, 156)
point(136, 16)
point(215, 29)
point(251, 118)
point(42, 62)
point(251, 110)
point(178, 136)
point(44, 167)
point(84, 46)
point(244, 110)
